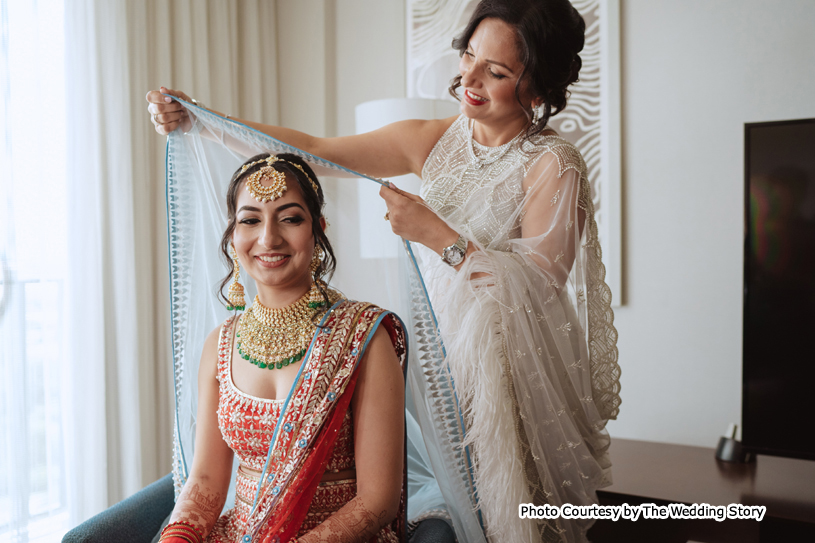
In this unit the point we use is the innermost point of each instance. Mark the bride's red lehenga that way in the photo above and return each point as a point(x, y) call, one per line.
point(247, 424)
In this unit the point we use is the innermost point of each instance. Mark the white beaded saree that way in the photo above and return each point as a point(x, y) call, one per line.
point(528, 331)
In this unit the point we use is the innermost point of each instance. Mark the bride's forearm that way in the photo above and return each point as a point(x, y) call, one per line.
point(354, 522)
point(199, 505)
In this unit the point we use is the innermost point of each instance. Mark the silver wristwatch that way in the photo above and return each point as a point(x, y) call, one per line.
point(454, 254)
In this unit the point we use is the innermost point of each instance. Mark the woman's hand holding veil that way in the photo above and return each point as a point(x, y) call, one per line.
point(165, 113)
point(412, 219)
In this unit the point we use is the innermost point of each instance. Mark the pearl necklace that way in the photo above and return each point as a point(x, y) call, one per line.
point(481, 155)
point(275, 338)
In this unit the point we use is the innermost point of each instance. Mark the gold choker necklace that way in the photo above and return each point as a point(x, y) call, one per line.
point(274, 338)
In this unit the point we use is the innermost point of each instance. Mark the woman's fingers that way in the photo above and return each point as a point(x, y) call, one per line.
point(165, 129)
point(156, 109)
point(399, 199)
point(164, 125)
point(412, 219)
point(400, 210)
point(176, 93)
point(156, 97)
point(164, 118)
point(167, 114)
point(387, 193)
point(408, 195)
point(412, 197)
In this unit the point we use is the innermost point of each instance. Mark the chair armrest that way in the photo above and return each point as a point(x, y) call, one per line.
point(136, 519)
point(433, 530)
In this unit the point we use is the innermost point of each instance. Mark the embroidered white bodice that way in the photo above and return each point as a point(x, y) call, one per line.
point(453, 172)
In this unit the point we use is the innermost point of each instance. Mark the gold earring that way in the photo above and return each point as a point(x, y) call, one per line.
point(236, 292)
point(314, 267)
point(316, 261)
point(315, 299)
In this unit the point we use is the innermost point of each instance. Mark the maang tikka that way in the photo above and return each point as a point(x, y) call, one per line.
point(277, 180)
point(236, 293)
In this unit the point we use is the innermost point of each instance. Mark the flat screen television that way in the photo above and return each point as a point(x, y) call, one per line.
point(778, 393)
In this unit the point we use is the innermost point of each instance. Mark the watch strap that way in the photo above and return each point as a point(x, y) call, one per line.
point(455, 253)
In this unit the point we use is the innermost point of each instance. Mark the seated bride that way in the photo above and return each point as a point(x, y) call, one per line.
point(304, 387)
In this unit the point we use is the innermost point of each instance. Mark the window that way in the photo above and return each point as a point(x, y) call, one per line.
point(33, 489)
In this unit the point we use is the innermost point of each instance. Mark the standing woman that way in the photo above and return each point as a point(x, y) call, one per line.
point(507, 248)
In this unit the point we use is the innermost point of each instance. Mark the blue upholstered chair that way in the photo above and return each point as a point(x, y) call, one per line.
point(138, 519)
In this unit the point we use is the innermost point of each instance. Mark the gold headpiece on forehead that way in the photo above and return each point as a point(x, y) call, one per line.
point(277, 186)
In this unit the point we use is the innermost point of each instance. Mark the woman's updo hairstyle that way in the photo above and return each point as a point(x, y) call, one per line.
point(315, 201)
point(550, 34)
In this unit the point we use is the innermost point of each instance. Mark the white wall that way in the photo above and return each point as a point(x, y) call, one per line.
point(370, 65)
point(693, 72)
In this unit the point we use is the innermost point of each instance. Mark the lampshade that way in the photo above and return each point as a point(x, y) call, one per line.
point(376, 238)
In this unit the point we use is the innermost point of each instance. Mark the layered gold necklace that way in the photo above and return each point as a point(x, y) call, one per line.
point(274, 338)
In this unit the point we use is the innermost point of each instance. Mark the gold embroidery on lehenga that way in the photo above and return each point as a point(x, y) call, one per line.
point(247, 424)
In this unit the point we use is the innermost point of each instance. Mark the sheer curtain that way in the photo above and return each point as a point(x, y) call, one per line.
point(32, 259)
point(85, 374)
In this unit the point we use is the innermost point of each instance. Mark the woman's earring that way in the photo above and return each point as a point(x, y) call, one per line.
point(236, 292)
point(316, 299)
point(315, 263)
point(537, 114)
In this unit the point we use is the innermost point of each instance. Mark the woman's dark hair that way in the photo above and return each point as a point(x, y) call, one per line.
point(550, 34)
point(315, 201)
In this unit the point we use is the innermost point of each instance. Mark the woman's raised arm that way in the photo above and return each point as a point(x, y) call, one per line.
point(396, 149)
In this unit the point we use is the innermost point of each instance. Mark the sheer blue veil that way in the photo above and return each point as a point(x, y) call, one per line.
point(199, 165)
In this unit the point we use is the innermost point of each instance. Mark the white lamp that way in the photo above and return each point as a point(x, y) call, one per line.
point(375, 237)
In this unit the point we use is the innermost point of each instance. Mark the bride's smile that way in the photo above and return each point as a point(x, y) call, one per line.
point(275, 244)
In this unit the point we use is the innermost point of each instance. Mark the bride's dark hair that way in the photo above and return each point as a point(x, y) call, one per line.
point(550, 34)
point(315, 201)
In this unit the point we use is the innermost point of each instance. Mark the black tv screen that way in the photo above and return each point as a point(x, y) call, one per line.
point(778, 397)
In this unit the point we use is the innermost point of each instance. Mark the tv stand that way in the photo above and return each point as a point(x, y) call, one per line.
point(661, 473)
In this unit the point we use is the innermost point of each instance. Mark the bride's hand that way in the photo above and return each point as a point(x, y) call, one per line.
point(165, 113)
point(412, 219)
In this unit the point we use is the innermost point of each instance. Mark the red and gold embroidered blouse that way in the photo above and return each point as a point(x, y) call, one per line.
point(247, 424)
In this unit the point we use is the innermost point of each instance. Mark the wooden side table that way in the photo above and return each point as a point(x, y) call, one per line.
point(660, 473)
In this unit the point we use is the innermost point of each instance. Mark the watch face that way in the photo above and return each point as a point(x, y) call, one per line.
point(453, 255)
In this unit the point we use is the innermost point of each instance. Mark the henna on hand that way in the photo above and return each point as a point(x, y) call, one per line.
point(198, 507)
point(351, 524)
